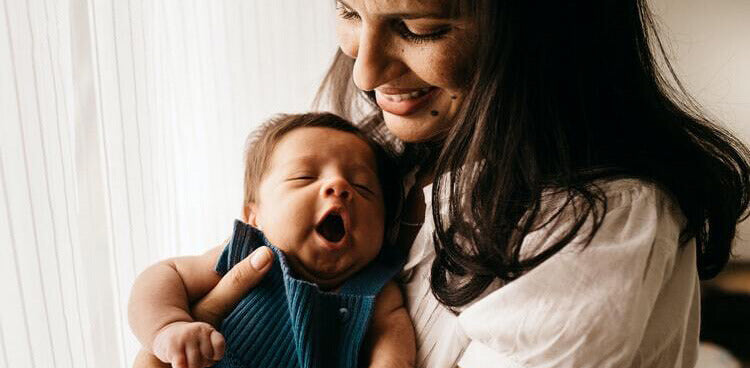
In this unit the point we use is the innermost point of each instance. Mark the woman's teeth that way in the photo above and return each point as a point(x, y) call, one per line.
point(407, 96)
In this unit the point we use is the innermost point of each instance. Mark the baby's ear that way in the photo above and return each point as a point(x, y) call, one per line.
point(249, 212)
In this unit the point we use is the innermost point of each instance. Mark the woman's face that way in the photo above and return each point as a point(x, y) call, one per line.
point(416, 57)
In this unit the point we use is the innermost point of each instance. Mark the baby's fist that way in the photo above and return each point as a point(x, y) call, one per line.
point(189, 345)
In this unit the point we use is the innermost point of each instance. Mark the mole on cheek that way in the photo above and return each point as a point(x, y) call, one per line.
point(434, 113)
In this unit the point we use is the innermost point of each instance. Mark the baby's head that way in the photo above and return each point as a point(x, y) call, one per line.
point(318, 187)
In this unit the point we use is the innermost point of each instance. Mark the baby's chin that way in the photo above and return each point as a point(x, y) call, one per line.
point(326, 276)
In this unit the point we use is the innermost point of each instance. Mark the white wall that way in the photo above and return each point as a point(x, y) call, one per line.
point(710, 45)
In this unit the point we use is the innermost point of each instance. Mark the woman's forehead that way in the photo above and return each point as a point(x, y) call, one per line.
point(404, 8)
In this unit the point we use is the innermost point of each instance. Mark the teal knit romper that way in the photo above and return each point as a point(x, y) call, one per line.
point(290, 323)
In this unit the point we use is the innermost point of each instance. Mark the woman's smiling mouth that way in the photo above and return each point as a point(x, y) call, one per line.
point(404, 101)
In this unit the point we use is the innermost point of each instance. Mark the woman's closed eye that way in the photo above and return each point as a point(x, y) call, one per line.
point(400, 26)
point(410, 34)
point(345, 12)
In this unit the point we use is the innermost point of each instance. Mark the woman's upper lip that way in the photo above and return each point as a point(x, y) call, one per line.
point(399, 91)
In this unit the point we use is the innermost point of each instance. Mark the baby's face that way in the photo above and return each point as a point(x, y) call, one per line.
point(320, 201)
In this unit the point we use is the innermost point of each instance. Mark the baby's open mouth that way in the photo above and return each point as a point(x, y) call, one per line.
point(332, 227)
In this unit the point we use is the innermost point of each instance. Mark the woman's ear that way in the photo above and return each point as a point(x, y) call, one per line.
point(249, 214)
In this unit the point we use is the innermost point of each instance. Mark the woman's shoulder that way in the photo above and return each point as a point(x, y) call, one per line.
point(644, 199)
point(615, 194)
point(630, 191)
point(625, 208)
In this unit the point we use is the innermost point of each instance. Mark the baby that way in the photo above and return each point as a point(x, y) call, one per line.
point(316, 193)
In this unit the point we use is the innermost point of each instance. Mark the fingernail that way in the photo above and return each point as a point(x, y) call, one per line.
point(260, 258)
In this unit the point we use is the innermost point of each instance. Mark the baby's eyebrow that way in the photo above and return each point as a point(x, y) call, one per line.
point(359, 167)
point(298, 161)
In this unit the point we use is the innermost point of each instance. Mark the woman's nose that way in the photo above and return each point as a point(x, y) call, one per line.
point(375, 62)
point(337, 187)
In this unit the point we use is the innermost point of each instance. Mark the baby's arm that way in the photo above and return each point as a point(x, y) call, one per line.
point(159, 310)
point(390, 338)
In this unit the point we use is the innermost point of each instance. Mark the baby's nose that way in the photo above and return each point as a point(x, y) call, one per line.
point(337, 187)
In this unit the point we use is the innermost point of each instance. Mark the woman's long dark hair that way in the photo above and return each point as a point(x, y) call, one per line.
point(567, 94)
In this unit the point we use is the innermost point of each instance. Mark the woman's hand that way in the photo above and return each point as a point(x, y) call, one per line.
point(217, 304)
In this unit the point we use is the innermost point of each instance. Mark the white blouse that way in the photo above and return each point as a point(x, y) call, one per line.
point(629, 299)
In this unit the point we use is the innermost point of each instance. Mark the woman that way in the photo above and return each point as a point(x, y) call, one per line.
point(565, 198)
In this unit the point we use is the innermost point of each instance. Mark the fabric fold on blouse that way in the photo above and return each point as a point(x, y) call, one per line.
point(628, 299)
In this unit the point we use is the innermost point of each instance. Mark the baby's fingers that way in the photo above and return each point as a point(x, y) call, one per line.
point(179, 360)
point(207, 351)
point(217, 345)
point(146, 359)
point(211, 347)
point(169, 351)
point(194, 356)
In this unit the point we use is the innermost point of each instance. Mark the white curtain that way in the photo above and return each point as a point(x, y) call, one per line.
point(123, 126)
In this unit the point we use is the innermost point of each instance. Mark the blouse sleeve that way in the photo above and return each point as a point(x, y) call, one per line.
point(583, 307)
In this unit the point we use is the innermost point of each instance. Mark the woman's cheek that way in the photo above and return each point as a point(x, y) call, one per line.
point(455, 60)
point(444, 66)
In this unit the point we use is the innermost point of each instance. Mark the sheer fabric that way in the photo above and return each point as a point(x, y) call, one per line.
point(122, 132)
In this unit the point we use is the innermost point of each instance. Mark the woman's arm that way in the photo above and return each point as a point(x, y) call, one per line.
point(390, 339)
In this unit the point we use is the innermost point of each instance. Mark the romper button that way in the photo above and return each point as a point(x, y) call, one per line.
point(343, 314)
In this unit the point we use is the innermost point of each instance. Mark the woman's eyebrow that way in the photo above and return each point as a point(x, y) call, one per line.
point(412, 15)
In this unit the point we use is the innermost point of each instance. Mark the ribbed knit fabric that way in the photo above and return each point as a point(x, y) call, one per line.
point(287, 322)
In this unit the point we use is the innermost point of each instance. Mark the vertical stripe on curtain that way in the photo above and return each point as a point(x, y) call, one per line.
point(122, 136)
point(43, 313)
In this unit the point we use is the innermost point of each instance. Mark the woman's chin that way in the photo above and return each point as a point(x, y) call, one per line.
point(413, 129)
point(426, 124)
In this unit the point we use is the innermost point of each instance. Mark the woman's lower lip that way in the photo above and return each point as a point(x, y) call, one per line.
point(405, 107)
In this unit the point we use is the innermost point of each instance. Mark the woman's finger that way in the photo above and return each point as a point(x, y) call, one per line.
point(233, 286)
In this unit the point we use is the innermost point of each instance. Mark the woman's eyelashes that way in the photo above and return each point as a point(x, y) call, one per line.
point(345, 12)
point(398, 25)
point(403, 30)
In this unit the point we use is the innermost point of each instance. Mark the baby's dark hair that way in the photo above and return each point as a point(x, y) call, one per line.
point(261, 143)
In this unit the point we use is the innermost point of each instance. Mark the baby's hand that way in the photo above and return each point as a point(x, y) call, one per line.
point(189, 345)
